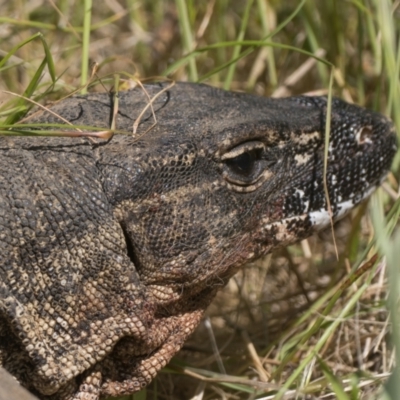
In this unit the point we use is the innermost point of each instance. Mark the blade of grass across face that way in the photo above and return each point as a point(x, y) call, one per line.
point(52, 133)
point(326, 154)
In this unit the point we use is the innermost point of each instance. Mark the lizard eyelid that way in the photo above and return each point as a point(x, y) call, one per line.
point(243, 148)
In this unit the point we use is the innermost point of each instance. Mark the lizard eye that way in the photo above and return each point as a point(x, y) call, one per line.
point(244, 163)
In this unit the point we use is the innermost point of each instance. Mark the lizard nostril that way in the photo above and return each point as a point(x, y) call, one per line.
point(364, 135)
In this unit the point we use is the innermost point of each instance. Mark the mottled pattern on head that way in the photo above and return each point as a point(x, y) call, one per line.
point(109, 253)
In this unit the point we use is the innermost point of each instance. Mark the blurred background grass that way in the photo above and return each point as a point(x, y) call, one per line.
point(293, 325)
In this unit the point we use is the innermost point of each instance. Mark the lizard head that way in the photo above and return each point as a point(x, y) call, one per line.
point(225, 178)
point(220, 179)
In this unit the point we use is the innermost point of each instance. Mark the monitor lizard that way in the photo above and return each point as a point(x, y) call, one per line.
point(112, 250)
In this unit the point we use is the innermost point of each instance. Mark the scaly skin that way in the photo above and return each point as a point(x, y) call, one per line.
point(110, 252)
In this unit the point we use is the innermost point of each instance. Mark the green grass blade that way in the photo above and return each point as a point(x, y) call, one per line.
point(180, 62)
point(26, 24)
point(252, 43)
point(325, 334)
point(85, 44)
point(17, 47)
point(336, 385)
point(312, 39)
point(237, 48)
point(21, 102)
point(187, 38)
point(49, 60)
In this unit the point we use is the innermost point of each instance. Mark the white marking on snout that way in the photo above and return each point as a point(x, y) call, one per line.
point(320, 219)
